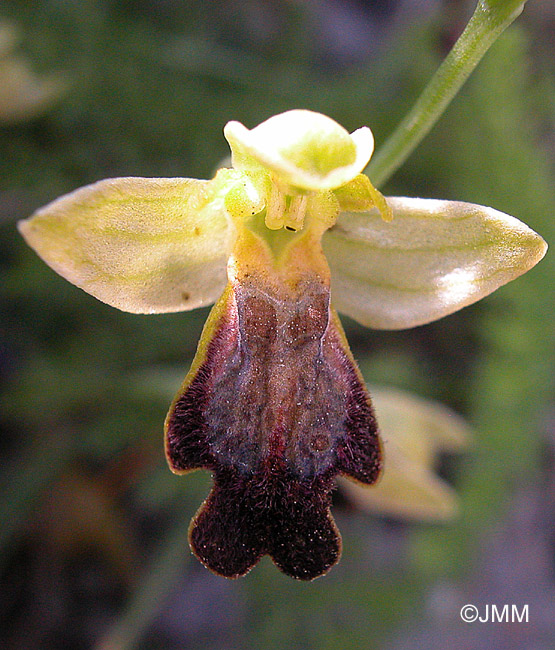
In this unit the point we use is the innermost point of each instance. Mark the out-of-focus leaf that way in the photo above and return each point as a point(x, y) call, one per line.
point(414, 431)
point(23, 95)
point(166, 566)
point(8, 38)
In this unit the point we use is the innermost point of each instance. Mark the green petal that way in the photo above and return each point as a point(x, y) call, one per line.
point(432, 259)
point(144, 245)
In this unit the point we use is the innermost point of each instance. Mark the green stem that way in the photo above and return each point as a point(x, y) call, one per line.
point(147, 599)
point(489, 20)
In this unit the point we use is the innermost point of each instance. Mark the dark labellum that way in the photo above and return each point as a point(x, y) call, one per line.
point(275, 407)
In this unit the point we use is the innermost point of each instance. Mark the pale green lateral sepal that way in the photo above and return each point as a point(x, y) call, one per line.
point(143, 245)
point(415, 431)
point(432, 259)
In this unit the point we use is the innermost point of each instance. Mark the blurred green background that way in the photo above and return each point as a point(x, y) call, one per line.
point(93, 548)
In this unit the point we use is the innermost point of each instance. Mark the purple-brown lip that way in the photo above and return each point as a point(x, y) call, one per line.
point(275, 410)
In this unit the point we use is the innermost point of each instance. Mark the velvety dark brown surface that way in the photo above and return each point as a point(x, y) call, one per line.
point(275, 410)
point(269, 512)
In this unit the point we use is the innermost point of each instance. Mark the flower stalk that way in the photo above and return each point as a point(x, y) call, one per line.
point(489, 21)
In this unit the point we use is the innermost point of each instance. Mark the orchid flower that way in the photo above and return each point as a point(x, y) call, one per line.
point(274, 404)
